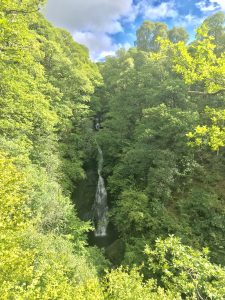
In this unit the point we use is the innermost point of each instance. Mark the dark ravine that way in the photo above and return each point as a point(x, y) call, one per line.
point(90, 198)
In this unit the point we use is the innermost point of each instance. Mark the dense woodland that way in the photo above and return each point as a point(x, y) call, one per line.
point(162, 110)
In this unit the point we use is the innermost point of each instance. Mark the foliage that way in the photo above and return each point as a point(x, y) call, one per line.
point(155, 101)
point(148, 34)
point(182, 269)
point(128, 285)
point(43, 253)
point(202, 65)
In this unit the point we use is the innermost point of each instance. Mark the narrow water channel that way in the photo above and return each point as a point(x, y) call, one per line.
point(100, 206)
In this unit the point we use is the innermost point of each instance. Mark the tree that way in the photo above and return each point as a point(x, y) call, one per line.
point(180, 268)
point(178, 34)
point(202, 67)
point(148, 34)
point(216, 29)
point(42, 241)
point(129, 284)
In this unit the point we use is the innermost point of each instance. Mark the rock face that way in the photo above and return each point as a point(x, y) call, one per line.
point(84, 195)
point(115, 252)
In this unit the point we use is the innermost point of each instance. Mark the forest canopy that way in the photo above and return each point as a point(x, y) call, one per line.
point(161, 108)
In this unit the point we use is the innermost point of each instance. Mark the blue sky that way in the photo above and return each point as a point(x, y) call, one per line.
point(104, 26)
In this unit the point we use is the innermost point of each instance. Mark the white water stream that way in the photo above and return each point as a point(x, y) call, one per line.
point(100, 207)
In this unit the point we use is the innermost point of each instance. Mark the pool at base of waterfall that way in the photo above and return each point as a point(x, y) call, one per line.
point(103, 241)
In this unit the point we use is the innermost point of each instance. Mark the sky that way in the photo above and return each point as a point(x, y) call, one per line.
point(104, 26)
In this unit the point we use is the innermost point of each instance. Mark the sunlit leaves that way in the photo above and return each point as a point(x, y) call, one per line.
point(198, 62)
point(182, 269)
point(212, 135)
point(39, 229)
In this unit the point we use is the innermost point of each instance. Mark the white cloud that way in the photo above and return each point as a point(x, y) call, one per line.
point(95, 41)
point(104, 54)
point(158, 12)
point(112, 53)
point(116, 47)
point(189, 21)
point(101, 44)
point(93, 15)
point(202, 5)
point(211, 5)
point(221, 3)
point(92, 21)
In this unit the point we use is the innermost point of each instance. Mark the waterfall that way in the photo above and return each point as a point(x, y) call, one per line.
point(100, 207)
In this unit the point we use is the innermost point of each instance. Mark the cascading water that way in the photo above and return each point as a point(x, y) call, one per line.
point(100, 207)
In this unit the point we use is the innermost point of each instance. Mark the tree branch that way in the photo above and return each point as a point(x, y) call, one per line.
point(206, 94)
point(24, 12)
